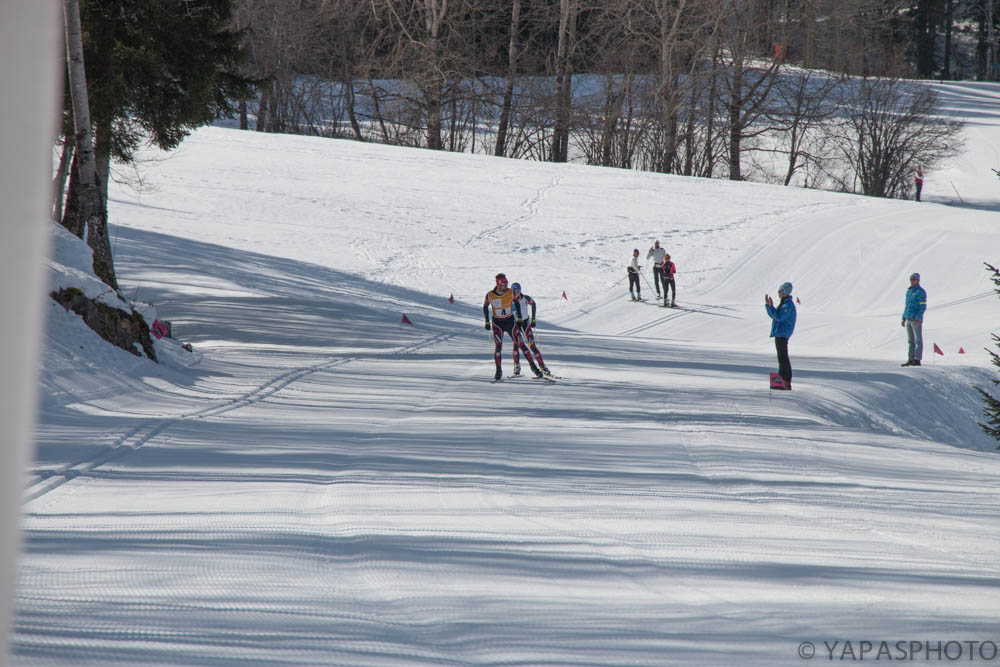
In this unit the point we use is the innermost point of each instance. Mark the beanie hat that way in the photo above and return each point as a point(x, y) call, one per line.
point(915, 275)
point(786, 288)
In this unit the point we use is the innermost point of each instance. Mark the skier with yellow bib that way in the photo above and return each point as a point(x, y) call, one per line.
point(500, 302)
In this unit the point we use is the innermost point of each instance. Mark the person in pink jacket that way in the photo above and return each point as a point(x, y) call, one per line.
point(669, 286)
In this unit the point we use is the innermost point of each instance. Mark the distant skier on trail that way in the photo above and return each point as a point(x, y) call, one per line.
point(633, 277)
point(500, 301)
point(918, 182)
point(782, 327)
point(521, 304)
point(913, 320)
point(657, 253)
point(669, 269)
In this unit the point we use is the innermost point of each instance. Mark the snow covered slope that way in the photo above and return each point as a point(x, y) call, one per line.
point(318, 483)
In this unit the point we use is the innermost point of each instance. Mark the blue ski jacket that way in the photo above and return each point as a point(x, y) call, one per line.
point(916, 303)
point(784, 318)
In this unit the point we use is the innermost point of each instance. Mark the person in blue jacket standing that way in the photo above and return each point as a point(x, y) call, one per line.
point(782, 326)
point(913, 320)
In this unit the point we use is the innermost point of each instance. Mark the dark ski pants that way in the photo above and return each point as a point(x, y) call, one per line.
point(784, 365)
point(633, 281)
point(669, 285)
point(528, 343)
point(508, 324)
point(657, 277)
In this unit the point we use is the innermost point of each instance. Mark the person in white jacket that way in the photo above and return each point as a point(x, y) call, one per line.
point(633, 277)
point(657, 253)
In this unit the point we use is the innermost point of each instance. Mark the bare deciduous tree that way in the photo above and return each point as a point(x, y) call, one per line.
point(889, 128)
point(566, 44)
point(513, 54)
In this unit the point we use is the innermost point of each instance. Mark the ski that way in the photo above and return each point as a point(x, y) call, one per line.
point(547, 378)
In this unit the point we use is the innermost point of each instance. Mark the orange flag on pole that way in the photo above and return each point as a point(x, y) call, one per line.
point(406, 320)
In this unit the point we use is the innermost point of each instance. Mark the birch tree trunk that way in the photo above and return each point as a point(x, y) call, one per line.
point(92, 221)
point(59, 182)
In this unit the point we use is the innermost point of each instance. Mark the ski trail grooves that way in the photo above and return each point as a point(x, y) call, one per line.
point(706, 310)
point(144, 433)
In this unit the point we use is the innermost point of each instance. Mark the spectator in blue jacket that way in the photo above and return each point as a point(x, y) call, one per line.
point(913, 320)
point(781, 329)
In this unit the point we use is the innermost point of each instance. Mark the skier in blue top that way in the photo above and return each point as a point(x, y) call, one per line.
point(913, 320)
point(781, 330)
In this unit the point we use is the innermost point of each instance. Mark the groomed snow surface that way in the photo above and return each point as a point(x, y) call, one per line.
point(320, 484)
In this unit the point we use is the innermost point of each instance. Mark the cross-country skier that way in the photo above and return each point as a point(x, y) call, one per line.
point(526, 324)
point(500, 301)
point(633, 277)
point(657, 253)
point(669, 269)
point(781, 330)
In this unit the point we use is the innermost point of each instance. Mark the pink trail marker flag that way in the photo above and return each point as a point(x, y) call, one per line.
point(406, 320)
point(564, 295)
point(961, 350)
point(159, 329)
point(937, 350)
point(451, 298)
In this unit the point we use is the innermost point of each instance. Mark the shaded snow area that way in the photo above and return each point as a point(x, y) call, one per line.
point(318, 483)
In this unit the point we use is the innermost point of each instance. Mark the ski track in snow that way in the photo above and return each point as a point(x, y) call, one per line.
point(531, 205)
point(144, 433)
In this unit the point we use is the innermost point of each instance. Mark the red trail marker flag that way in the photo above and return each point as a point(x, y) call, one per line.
point(961, 350)
point(451, 298)
point(406, 320)
point(564, 295)
point(937, 350)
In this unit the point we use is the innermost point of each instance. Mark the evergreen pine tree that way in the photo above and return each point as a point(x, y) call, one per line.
point(155, 72)
point(992, 403)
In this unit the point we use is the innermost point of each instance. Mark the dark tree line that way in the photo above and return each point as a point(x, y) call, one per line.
point(698, 87)
point(954, 38)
